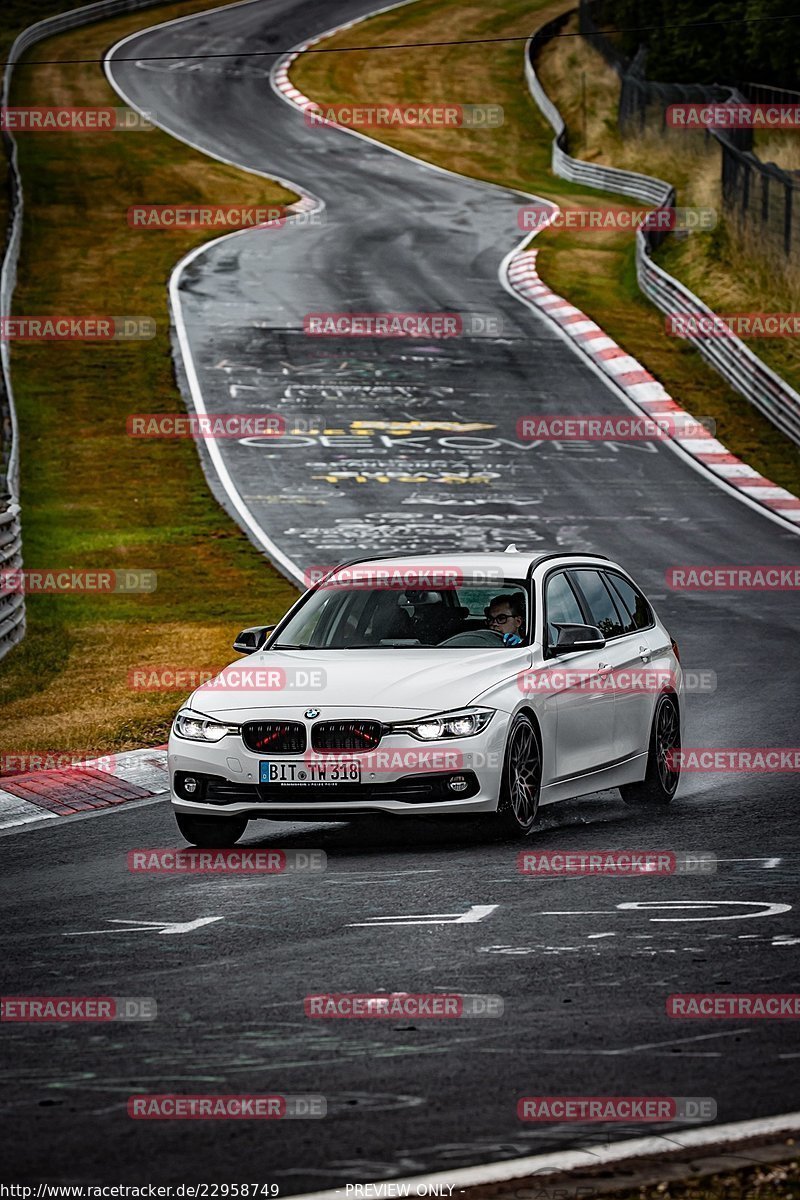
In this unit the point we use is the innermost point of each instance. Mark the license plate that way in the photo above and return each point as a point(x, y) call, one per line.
point(309, 774)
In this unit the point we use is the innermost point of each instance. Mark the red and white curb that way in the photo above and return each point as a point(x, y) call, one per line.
point(280, 74)
point(645, 391)
point(85, 787)
point(626, 372)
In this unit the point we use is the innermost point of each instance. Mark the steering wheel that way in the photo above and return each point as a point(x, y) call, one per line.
point(474, 638)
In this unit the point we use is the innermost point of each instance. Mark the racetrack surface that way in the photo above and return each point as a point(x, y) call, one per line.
point(584, 981)
point(584, 993)
point(395, 236)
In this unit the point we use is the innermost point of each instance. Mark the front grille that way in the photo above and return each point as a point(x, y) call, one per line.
point(346, 735)
point(274, 737)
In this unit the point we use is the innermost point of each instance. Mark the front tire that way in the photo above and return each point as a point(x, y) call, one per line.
point(663, 774)
point(521, 782)
point(211, 833)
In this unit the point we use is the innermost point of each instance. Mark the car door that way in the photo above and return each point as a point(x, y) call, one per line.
point(650, 656)
point(627, 655)
point(576, 707)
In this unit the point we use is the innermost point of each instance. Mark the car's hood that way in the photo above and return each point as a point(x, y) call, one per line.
point(422, 680)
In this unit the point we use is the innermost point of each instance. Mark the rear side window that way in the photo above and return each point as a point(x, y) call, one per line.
point(604, 612)
point(561, 604)
point(639, 611)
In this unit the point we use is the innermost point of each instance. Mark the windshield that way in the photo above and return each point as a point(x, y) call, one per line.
point(337, 617)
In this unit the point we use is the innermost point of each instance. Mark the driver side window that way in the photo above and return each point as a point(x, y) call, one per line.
point(561, 605)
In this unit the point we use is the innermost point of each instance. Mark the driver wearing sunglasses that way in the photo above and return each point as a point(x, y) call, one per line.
point(506, 616)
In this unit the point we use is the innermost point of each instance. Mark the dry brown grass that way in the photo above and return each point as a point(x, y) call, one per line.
point(731, 270)
point(779, 147)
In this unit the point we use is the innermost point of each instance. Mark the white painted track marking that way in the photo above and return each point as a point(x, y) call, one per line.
point(477, 912)
point(168, 927)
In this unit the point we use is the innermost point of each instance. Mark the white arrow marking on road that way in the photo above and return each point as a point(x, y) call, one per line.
point(149, 926)
point(476, 912)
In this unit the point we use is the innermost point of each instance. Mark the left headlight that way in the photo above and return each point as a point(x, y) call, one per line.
point(464, 722)
point(197, 728)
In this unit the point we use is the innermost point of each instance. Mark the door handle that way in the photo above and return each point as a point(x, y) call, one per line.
point(602, 666)
point(645, 654)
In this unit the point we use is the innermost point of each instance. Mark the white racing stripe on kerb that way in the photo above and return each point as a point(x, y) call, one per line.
point(738, 471)
point(649, 392)
point(571, 1162)
point(16, 811)
point(625, 365)
point(145, 768)
point(766, 493)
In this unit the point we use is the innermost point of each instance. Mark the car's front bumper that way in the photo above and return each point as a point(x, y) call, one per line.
point(403, 776)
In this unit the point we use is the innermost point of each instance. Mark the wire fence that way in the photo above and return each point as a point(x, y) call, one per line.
point(734, 361)
point(760, 196)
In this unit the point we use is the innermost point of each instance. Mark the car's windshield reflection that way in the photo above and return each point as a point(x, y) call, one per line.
point(372, 618)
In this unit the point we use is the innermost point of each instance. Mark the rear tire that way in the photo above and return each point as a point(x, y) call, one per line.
point(211, 833)
point(521, 781)
point(662, 777)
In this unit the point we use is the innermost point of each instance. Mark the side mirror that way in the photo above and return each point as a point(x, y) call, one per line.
point(250, 640)
point(577, 637)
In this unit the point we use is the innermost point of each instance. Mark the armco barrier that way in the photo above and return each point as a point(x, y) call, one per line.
point(12, 607)
point(737, 364)
point(609, 179)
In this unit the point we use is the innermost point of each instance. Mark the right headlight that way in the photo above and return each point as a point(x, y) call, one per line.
point(197, 728)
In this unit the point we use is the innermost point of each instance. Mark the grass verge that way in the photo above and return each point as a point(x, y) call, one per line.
point(732, 270)
point(594, 269)
point(767, 1181)
point(93, 497)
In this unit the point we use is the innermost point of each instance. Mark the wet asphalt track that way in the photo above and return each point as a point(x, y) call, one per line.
point(584, 992)
point(584, 989)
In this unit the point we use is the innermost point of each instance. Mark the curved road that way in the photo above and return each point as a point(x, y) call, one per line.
point(583, 980)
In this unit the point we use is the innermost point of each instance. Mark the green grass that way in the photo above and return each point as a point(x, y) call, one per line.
point(92, 497)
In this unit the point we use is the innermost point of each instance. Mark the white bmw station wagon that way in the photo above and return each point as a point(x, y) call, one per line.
point(478, 685)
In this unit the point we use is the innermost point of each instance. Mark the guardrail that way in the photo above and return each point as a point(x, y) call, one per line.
point(728, 355)
point(12, 604)
point(12, 607)
point(609, 179)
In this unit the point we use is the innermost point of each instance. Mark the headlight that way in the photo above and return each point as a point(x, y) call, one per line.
point(197, 728)
point(463, 723)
